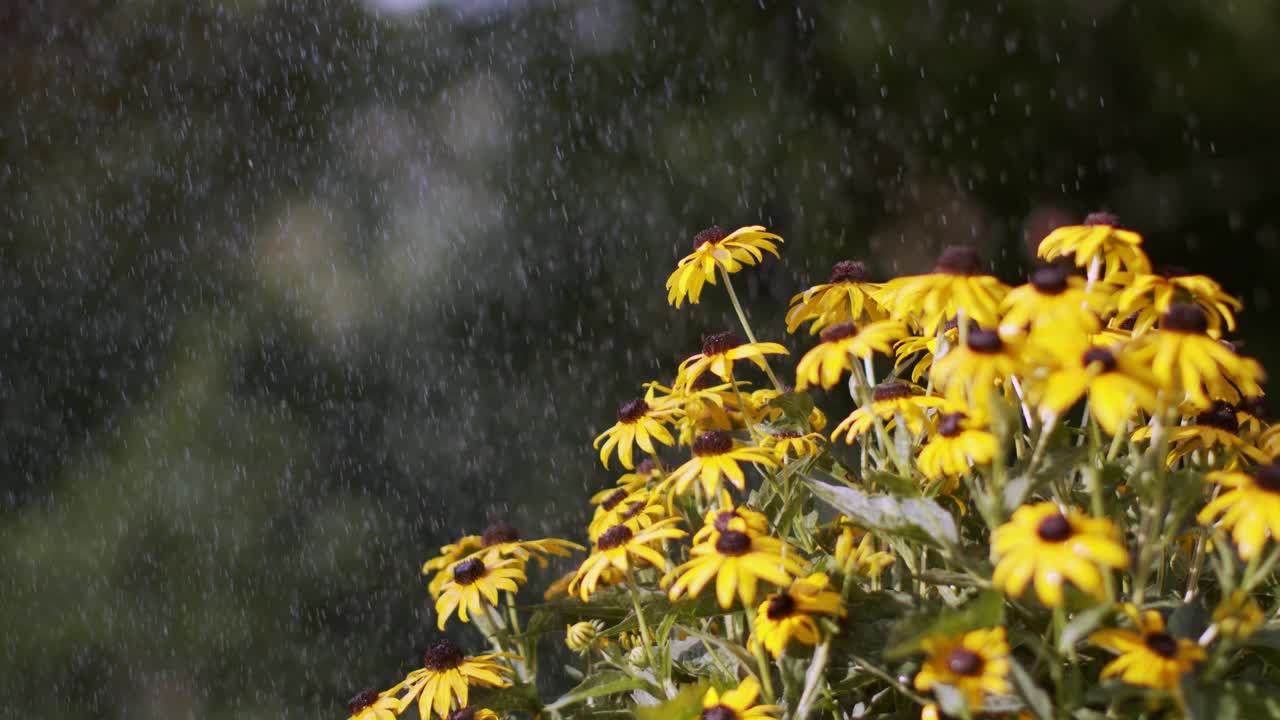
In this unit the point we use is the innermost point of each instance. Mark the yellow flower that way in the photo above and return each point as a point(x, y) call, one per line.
point(639, 510)
point(788, 444)
point(1042, 543)
point(714, 249)
point(501, 540)
point(1097, 244)
point(789, 614)
point(957, 286)
point(889, 401)
point(741, 519)
point(620, 548)
point(972, 372)
point(1249, 507)
point(1150, 657)
point(1186, 360)
point(845, 298)
point(472, 714)
point(737, 561)
point(1119, 387)
point(826, 362)
point(975, 663)
point(475, 581)
point(926, 348)
point(719, 353)
point(1146, 296)
point(639, 423)
point(704, 404)
point(1238, 615)
point(856, 552)
point(958, 444)
point(449, 554)
point(1052, 303)
point(581, 636)
point(372, 705)
point(736, 704)
point(446, 676)
point(1215, 430)
point(715, 458)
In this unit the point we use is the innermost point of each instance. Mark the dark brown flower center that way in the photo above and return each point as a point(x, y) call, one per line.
point(1162, 644)
point(719, 712)
point(615, 536)
point(499, 533)
point(1221, 416)
point(732, 542)
point(963, 661)
point(835, 333)
point(721, 523)
point(714, 442)
point(468, 571)
point(1102, 218)
point(720, 343)
point(713, 234)
point(891, 391)
point(1267, 477)
point(613, 499)
point(786, 434)
point(987, 342)
point(443, 656)
point(632, 411)
point(1170, 271)
point(647, 465)
point(1050, 280)
point(1099, 355)
point(633, 510)
point(1184, 318)
point(959, 260)
point(462, 714)
point(1054, 528)
point(361, 700)
point(949, 424)
point(849, 271)
point(780, 606)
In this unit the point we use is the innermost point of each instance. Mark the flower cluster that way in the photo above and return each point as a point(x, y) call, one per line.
point(1056, 499)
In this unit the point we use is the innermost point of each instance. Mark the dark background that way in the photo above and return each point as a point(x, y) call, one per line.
point(294, 292)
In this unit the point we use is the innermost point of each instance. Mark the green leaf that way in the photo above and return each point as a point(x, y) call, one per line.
point(687, 704)
point(1037, 699)
point(606, 683)
point(1081, 625)
point(983, 611)
point(951, 700)
point(894, 483)
point(795, 405)
point(919, 519)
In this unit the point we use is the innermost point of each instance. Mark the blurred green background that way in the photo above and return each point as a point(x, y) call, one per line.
point(294, 292)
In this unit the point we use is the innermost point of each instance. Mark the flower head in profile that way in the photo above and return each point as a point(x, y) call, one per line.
point(639, 423)
point(790, 614)
point(1148, 655)
point(717, 458)
point(828, 361)
point(739, 518)
point(1097, 244)
point(714, 250)
point(737, 561)
point(976, 663)
point(1190, 363)
point(890, 402)
point(958, 443)
point(445, 679)
point(639, 509)
point(1046, 546)
point(1118, 386)
point(1248, 507)
point(502, 540)
point(581, 636)
point(846, 297)
point(958, 286)
point(1146, 296)
point(1052, 304)
point(473, 583)
point(856, 552)
point(793, 445)
point(719, 352)
point(975, 371)
point(618, 550)
point(372, 705)
point(1216, 431)
point(736, 704)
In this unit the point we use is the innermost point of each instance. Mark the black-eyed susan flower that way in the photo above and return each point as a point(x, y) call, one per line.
point(446, 677)
point(639, 423)
point(975, 663)
point(372, 705)
point(581, 636)
point(846, 297)
point(958, 286)
point(974, 371)
point(1249, 507)
point(1051, 546)
point(736, 704)
point(739, 518)
point(737, 562)
point(793, 444)
point(1149, 657)
point(1147, 296)
point(856, 552)
point(639, 509)
point(474, 582)
point(890, 401)
point(618, 550)
point(1098, 245)
point(1186, 360)
point(1119, 387)
point(449, 554)
point(705, 404)
point(502, 540)
point(1238, 615)
point(790, 614)
point(829, 359)
point(469, 713)
point(715, 249)
point(924, 348)
point(716, 458)
point(719, 352)
point(1216, 430)
point(958, 443)
point(1050, 304)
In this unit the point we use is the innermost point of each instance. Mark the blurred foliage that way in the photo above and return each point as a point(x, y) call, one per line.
point(295, 291)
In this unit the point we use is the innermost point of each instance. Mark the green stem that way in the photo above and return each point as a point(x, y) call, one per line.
point(746, 326)
point(645, 636)
point(762, 661)
point(813, 679)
